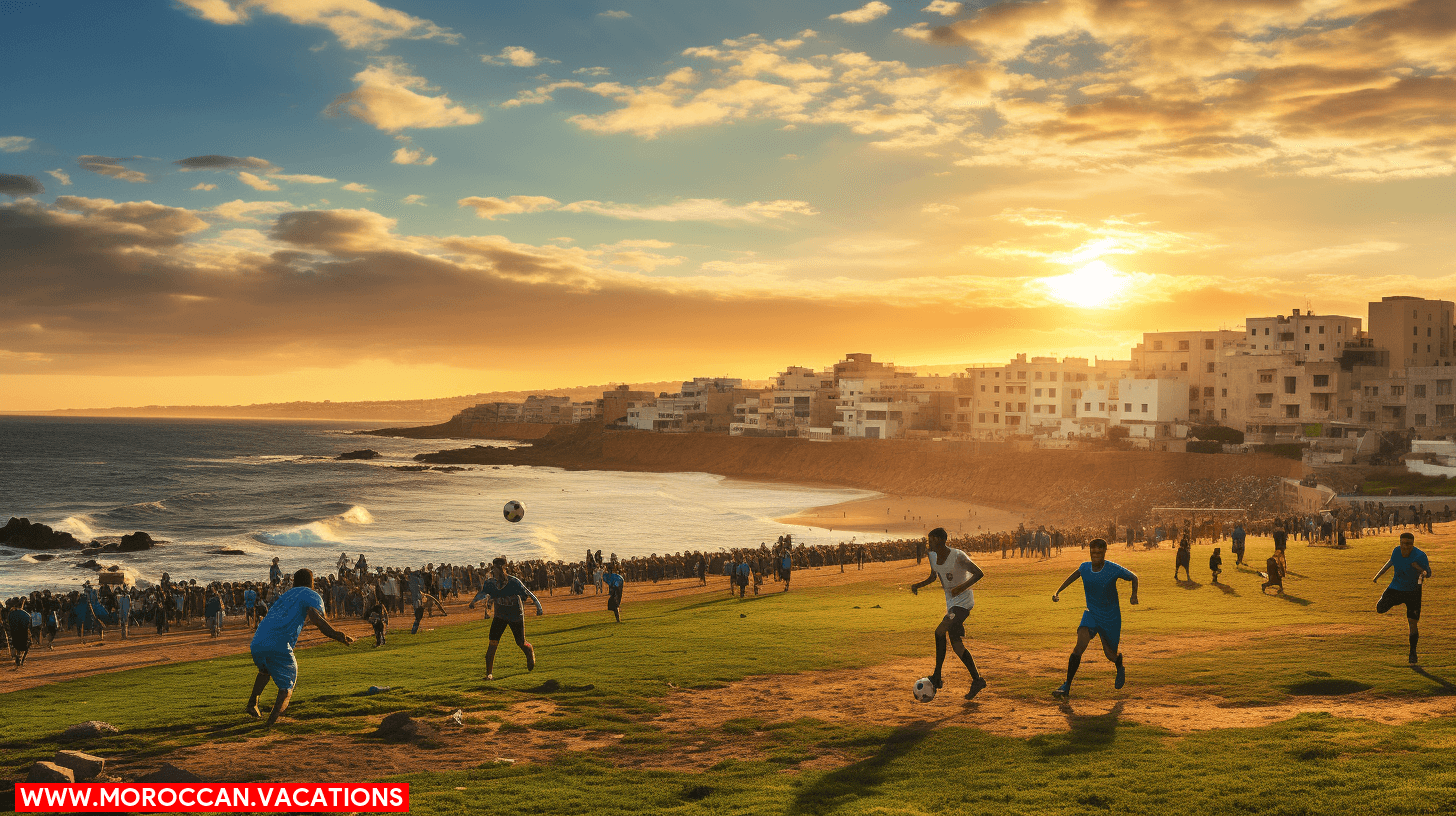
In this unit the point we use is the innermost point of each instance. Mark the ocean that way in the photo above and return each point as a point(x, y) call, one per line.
point(274, 488)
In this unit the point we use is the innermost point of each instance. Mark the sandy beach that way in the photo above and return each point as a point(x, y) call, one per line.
point(905, 515)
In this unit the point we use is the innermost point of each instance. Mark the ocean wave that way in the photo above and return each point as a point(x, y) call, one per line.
point(79, 526)
point(331, 530)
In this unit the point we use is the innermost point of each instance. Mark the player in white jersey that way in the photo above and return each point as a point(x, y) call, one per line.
point(957, 573)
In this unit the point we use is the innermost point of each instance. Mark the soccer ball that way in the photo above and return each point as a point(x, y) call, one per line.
point(515, 511)
point(924, 690)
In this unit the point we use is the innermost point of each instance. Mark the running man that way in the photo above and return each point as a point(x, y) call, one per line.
point(17, 621)
point(505, 594)
point(957, 574)
point(250, 606)
point(1412, 568)
point(614, 591)
point(786, 566)
point(277, 635)
point(1103, 617)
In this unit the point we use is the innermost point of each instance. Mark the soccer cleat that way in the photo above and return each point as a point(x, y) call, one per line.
point(1121, 678)
point(1063, 691)
point(976, 686)
point(530, 657)
point(1413, 659)
point(936, 681)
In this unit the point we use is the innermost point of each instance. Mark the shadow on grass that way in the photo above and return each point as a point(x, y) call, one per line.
point(1227, 590)
point(1087, 733)
point(1190, 584)
point(1294, 599)
point(1446, 685)
point(842, 787)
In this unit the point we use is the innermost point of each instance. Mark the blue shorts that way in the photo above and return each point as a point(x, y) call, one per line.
point(1111, 634)
point(281, 666)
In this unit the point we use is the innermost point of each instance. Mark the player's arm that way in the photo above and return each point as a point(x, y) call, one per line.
point(526, 593)
point(915, 587)
point(976, 575)
point(481, 594)
point(1426, 566)
point(1376, 579)
point(323, 626)
point(431, 598)
point(1076, 573)
point(1133, 579)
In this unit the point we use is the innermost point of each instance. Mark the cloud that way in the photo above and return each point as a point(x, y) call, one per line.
point(15, 186)
point(491, 207)
point(202, 185)
point(60, 175)
point(301, 178)
point(240, 210)
point(1322, 257)
point(614, 15)
point(517, 56)
point(869, 12)
point(356, 187)
point(387, 98)
point(412, 155)
point(357, 23)
point(595, 70)
point(946, 8)
point(146, 222)
point(213, 161)
point(696, 209)
point(940, 209)
point(255, 182)
point(111, 166)
point(415, 198)
point(14, 144)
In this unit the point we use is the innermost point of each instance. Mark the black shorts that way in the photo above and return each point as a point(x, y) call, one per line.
point(614, 600)
point(957, 616)
point(498, 626)
point(1395, 597)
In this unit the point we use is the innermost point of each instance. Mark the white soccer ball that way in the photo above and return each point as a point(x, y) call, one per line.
point(924, 690)
point(515, 511)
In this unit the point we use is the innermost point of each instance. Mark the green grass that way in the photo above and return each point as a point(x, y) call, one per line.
point(1321, 640)
point(1405, 483)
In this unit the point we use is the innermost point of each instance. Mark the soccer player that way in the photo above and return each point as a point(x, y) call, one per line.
point(1183, 558)
point(277, 635)
point(1215, 563)
point(250, 605)
point(786, 565)
point(505, 593)
point(17, 620)
point(1103, 617)
point(614, 592)
point(957, 574)
point(1411, 569)
point(742, 573)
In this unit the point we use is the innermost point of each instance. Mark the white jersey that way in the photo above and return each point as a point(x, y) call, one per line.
point(955, 571)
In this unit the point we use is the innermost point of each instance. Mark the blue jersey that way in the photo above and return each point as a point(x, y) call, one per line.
point(250, 598)
point(612, 580)
point(1101, 589)
point(785, 563)
point(279, 631)
point(744, 570)
point(507, 598)
point(1405, 570)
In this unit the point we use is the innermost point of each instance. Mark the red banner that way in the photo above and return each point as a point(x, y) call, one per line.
point(132, 797)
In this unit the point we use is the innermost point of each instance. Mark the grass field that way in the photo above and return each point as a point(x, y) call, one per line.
point(648, 716)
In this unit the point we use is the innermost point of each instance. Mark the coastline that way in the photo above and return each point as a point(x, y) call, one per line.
point(906, 515)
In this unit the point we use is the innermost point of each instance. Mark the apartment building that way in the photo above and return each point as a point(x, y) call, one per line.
point(886, 407)
point(1025, 395)
point(1311, 337)
point(804, 398)
point(617, 403)
point(1190, 357)
point(1417, 332)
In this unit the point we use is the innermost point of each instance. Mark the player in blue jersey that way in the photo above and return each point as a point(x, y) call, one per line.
point(505, 593)
point(1103, 617)
point(1410, 568)
point(277, 635)
point(613, 580)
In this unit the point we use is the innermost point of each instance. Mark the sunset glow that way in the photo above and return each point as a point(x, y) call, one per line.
point(219, 199)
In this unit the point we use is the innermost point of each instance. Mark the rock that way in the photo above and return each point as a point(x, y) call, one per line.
point(401, 727)
point(358, 454)
point(377, 689)
point(84, 767)
point(43, 556)
point(49, 772)
point(19, 532)
point(90, 565)
point(410, 468)
point(226, 552)
point(90, 729)
point(170, 773)
point(136, 542)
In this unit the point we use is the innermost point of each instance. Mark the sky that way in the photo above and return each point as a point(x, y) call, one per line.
point(241, 201)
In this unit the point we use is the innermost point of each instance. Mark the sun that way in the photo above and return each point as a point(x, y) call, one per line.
point(1094, 285)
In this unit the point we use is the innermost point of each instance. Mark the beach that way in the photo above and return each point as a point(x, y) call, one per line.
point(907, 516)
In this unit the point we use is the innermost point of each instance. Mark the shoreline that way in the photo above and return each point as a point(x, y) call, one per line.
point(917, 515)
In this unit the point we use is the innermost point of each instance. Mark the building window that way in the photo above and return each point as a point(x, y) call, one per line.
point(1208, 344)
point(996, 389)
point(1038, 375)
point(1444, 411)
point(1321, 329)
point(1051, 392)
point(1036, 409)
point(1291, 412)
point(1339, 330)
point(983, 389)
point(1210, 368)
point(1420, 419)
point(1127, 407)
point(1087, 406)
point(1182, 366)
point(1102, 406)
point(1225, 393)
point(1349, 412)
point(1253, 332)
point(1266, 332)
point(1290, 384)
point(1306, 347)
point(1321, 346)
point(1397, 390)
point(981, 418)
point(1443, 388)
point(1157, 345)
point(996, 419)
point(1036, 392)
point(1306, 330)
point(1052, 376)
point(1182, 345)
point(996, 404)
point(1021, 406)
point(1420, 390)
point(1415, 331)
point(1266, 377)
point(1208, 392)
point(1145, 407)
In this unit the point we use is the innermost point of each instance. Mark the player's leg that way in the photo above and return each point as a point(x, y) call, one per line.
point(1109, 648)
point(1413, 617)
point(518, 629)
point(942, 631)
point(957, 633)
point(280, 705)
point(1074, 660)
point(259, 683)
